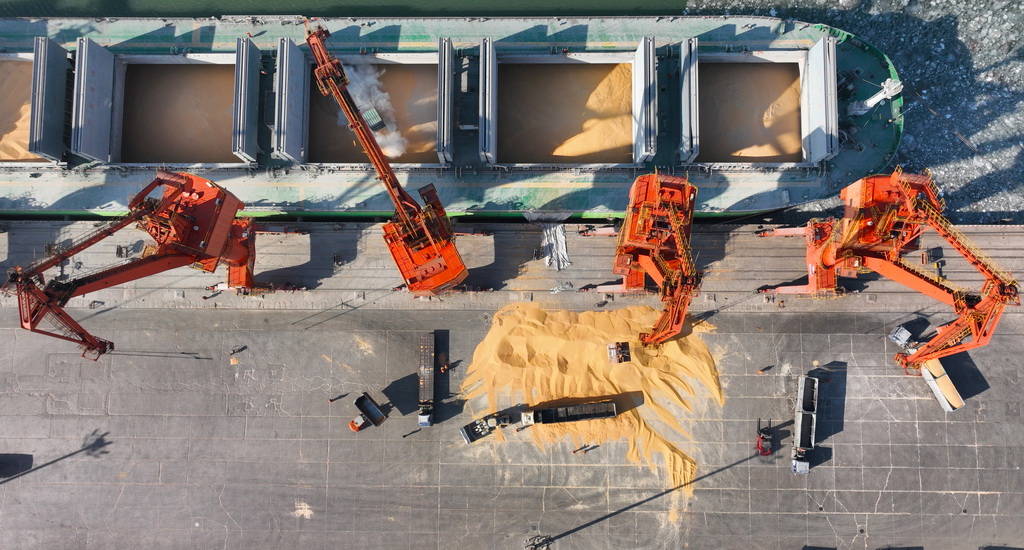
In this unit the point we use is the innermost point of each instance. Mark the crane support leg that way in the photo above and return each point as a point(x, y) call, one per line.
point(36, 306)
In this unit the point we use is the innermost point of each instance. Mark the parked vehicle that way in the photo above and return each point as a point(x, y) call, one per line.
point(369, 413)
point(483, 427)
point(805, 423)
point(427, 368)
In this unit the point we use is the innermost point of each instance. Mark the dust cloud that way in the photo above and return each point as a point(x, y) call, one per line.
point(533, 356)
point(178, 113)
point(750, 112)
point(15, 110)
point(565, 113)
point(405, 95)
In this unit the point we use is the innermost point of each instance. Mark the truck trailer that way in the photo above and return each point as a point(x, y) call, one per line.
point(805, 422)
point(569, 413)
point(427, 368)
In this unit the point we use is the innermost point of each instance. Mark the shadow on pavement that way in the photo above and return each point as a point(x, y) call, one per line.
point(14, 464)
point(964, 374)
point(831, 398)
point(512, 250)
point(403, 394)
point(648, 499)
point(93, 446)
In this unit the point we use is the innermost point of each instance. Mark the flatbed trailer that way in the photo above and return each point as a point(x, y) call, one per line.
point(427, 367)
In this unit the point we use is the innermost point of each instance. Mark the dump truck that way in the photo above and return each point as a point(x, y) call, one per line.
point(427, 368)
point(805, 422)
point(369, 413)
point(569, 413)
point(483, 427)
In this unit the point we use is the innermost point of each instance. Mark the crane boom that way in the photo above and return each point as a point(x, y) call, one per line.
point(655, 240)
point(884, 217)
point(421, 240)
point(193, 225)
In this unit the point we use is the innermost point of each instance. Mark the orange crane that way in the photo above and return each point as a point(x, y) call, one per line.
point(655, 241)
point(193, 224)
point(421, 240)
point(884, 217)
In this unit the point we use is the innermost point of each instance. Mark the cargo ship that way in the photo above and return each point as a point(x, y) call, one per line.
point(506, 117)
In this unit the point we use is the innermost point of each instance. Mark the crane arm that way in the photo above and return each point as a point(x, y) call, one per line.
point(193, 224)
point(678, 287)
point(332, 80)
point(911, 276)
point(978, 313)
point(884, 217)
point(420, 240)
point(62, 254)
point(117, 275)
point(986, 266)
point(35, 306)
point(977, 323)
point(47, 304)
point(139, 207)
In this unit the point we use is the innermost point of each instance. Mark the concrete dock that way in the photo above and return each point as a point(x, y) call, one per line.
point(171, 441)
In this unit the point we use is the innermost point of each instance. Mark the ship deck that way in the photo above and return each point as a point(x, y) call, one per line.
point(468, 183)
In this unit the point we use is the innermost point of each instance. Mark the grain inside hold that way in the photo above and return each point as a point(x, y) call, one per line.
point(15, 110)
point(407, 101)
point(178, 113)
point(565, 113)
point(750, 112)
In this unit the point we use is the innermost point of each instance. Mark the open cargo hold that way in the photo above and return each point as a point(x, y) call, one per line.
point(166, 109)
point(15, 109)
point(750, 123)
point(558, 114)
point(411, 91)
point(34, 98)
point(570, 109)
point(760, 107)
point(404, 94)
point(177, 114)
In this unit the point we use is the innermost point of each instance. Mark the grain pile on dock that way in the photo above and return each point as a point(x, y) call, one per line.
point(532, 356)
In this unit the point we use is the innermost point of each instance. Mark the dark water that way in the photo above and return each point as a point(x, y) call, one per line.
point(332, 8)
